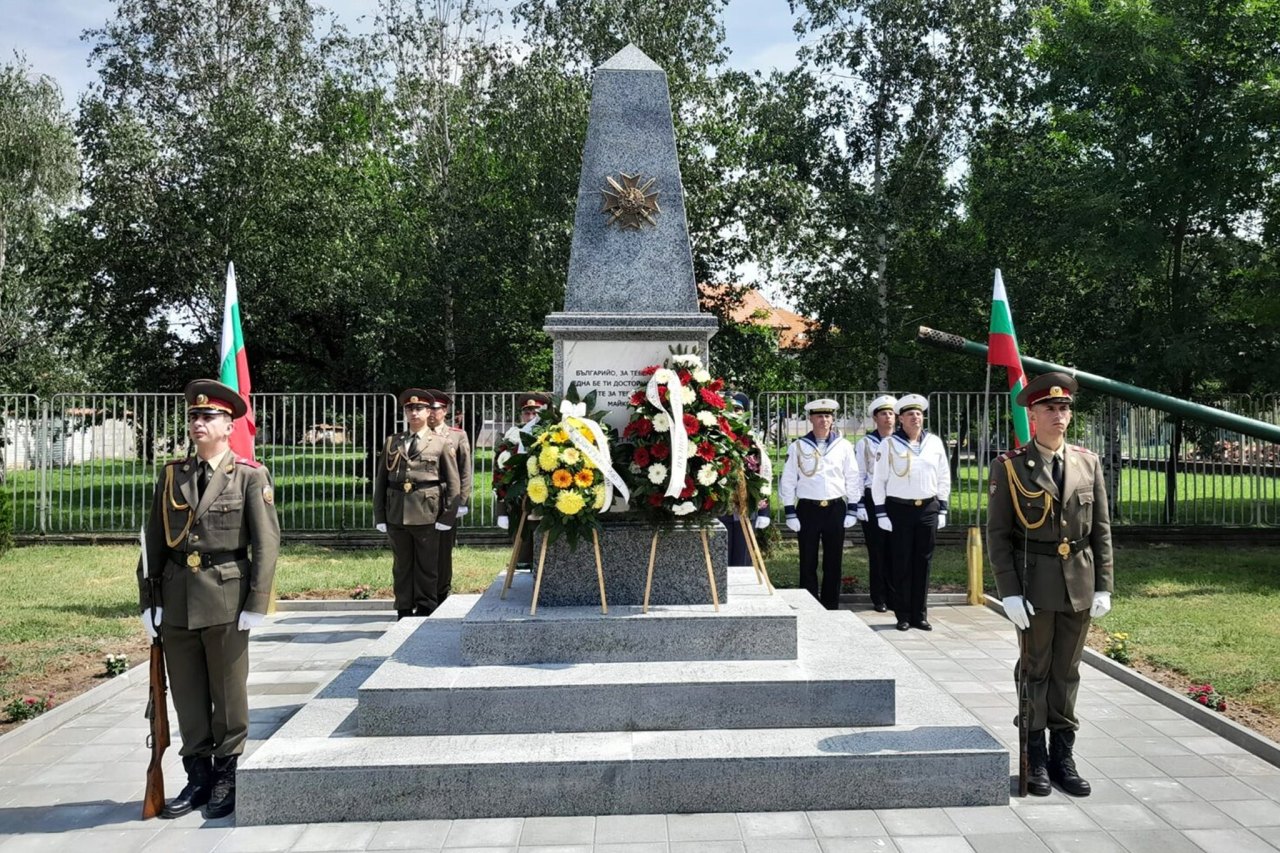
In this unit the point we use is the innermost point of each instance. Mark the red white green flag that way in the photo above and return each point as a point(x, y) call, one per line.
point(1002, 351)
point(234, 371)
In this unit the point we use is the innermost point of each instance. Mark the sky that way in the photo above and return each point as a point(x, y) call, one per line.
point(48, 32)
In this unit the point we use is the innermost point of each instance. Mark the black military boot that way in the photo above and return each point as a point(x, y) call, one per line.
point(1062, 765)
point(196, 792)
point(222, 801)
point(1037, 765)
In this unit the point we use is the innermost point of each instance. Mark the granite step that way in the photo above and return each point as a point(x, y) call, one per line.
point(837, 679)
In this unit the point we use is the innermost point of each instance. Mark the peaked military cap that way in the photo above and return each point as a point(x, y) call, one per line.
point(208, 396)
point(439, 399)
point(740, 400)
point(824, 406)
point(911, 403)
point(1053, 387)
point(533, 401)
point(879, 404)
point(415, 397)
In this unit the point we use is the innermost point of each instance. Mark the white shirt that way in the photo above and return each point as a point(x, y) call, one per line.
point(820, 470)
point(865, 451)
point(910, 471)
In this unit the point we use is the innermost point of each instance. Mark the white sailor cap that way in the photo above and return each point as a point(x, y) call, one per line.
point(907, 402)
point(825, 406)
point(884, 401)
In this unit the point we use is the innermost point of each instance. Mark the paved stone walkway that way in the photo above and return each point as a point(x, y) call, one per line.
point(1160, 782)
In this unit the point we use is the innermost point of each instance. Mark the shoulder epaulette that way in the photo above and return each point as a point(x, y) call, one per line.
point(1012, 454)
point(1078, 449)
point(252, 463)
point(177, 461)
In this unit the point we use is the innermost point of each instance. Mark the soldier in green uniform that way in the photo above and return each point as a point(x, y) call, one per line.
point(212, 539)
point(460, 450)
point(1049, 534)
point(415, 501)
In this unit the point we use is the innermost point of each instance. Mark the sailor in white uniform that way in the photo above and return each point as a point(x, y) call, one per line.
point(909, 490)
point(880, 569)
point(820, 488)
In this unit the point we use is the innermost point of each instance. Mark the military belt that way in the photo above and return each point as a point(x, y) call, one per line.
point(911, 501)
point(207, 559)
point(1055, 549)
point(406, 486)
point(816, 502)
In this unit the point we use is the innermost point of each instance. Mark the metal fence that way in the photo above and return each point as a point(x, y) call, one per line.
point(87, 463)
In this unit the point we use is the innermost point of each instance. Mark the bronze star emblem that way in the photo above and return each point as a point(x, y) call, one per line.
point(630, 204)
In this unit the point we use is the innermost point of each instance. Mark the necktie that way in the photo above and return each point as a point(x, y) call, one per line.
point(413, 445)
point(1057, 474)
point(203, 480)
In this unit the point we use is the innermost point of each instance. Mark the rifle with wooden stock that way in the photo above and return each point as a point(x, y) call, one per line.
point(157, 706)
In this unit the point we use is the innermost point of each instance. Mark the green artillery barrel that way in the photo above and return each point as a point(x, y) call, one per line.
point(1132, 393)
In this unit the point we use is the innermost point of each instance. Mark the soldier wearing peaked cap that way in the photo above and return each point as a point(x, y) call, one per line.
point(1049, 534)
point(416, 492)
point(211, 539)
point(880, 567)
point(820, 487)
point(530, 405)
point(460, 449)
point(910, 488)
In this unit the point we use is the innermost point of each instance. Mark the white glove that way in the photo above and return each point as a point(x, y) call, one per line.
point(504, 523)
point(793, 524)
point(1101, 605)
point(463, 510)
point(249, 619)
point(885, 524)
point(440, 526)
point(381, 527)
point(850, 520)
point(147, 625)
point(862, 513)
point(1019, 611)
point(762, 521)
point(942, 520)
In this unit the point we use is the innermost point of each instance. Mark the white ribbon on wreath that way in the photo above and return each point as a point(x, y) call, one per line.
point(679, 438)
point(594, 446)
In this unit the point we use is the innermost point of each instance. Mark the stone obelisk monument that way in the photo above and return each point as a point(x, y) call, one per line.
point(631, 293)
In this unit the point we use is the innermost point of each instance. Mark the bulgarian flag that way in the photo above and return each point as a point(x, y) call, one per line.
point(234, 371)
point(1002, 351)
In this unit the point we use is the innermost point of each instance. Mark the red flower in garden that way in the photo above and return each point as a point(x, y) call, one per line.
point(641, 457)
point(660, 451)
point(707, 451)
point(691, 424)
point(711, 398)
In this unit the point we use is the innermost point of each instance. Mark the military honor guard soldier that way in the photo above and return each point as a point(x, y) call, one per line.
point(910, 488)
point(820, 487)
point(416, 496)
point(880, 568)
point(1049, 534)
point(212, 537)
point(530, 407)
point(460, 447)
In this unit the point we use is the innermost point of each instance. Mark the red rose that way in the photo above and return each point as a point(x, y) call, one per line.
point(691, 424)
point(660, 451)
point(709, 502)
point(650, 370)
point(711, 398)
point(655, 499)
point(641, 457)
point(1202, 699)
point(637, 399)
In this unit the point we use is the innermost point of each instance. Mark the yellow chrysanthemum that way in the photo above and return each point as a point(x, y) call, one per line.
point(537, 490)
point(570, 503)
point(548, 458)
point(570, 456)
point(560, 437)
point(584, 478)
point(561, 479)
point(532, 466)
point(598, 491)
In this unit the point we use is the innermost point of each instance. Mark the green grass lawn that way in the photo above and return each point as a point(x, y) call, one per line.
point(1210, 614)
